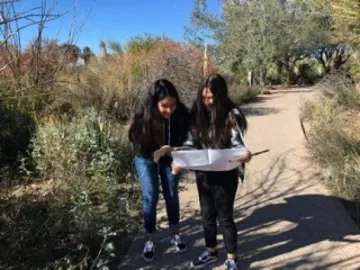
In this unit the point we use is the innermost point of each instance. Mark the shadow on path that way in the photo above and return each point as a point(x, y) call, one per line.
point(271, 221)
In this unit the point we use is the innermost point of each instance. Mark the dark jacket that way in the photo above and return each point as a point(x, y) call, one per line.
point(175, 133)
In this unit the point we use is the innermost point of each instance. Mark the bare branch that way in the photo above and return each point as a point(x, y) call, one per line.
point(6, 65)
point(9, 2)
point(30, 16)
point(6, 39)
point(26, 12)
point(34, 23)
point(17, 26)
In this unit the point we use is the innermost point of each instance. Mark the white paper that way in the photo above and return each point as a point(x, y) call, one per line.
point(209, 159)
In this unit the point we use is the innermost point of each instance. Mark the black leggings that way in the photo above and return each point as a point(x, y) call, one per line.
point(217, 194)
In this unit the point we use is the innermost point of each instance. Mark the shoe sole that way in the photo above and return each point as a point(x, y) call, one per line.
point(149, 260)
point(203, 265)
point(180, 251)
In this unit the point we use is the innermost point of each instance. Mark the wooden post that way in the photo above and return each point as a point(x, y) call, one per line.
point(205, 71)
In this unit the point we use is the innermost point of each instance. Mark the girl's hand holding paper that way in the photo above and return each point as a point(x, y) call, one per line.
point(246, 158)
point(164, 150)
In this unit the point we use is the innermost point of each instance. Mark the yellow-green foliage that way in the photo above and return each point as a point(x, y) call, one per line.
point(145, 44)
point(346, 27)
point(346, 15)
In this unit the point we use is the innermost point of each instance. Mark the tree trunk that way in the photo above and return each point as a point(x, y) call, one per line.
point(291, 75)
point(290, 68)
point(250, 79)
point(262, 76)
point(279, 68)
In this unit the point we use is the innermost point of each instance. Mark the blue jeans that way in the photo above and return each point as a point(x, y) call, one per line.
point(148, 173)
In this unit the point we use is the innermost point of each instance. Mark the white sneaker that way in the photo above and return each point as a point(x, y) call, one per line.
point(231, 264)
point(180, 245)
point(149, 251)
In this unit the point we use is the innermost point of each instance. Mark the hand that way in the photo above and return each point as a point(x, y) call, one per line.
point(175, 170)
point(164, 150)
point(246, 158)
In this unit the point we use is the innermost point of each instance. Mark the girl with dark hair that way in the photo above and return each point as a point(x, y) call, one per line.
point(162, 122)
point(217, 123)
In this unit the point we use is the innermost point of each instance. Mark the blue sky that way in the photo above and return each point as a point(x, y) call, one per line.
point(117, 20)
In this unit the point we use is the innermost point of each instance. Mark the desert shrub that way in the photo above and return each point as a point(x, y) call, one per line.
point(88, 157)
point(332, 131)
point(340, 88)
point(85, 194)
point(241, 95)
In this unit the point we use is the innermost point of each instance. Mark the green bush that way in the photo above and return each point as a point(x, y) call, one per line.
point(86, 192)
point(241, 95)
point(273, 76)
point(307, 73)
point(88, 158)
point(337, 151)
point(333, 140)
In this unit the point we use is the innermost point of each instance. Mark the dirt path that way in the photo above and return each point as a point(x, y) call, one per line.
point(286, 218)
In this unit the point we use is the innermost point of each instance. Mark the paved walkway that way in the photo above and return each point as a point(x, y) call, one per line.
point(286, 217)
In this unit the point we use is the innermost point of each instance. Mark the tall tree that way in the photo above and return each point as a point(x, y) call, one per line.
point(252, 34)
point(87, 54)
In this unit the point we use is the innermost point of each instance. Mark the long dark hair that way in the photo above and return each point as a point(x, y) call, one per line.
point(213, 128)
point(147, 127)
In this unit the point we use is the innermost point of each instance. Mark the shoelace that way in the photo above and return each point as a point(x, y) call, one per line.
point(148, 246)
point(230, 264)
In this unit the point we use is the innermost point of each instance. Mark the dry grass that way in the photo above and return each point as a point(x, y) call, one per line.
point(117, 83)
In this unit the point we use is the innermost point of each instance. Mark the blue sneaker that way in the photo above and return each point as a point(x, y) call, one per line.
point(204, 260)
